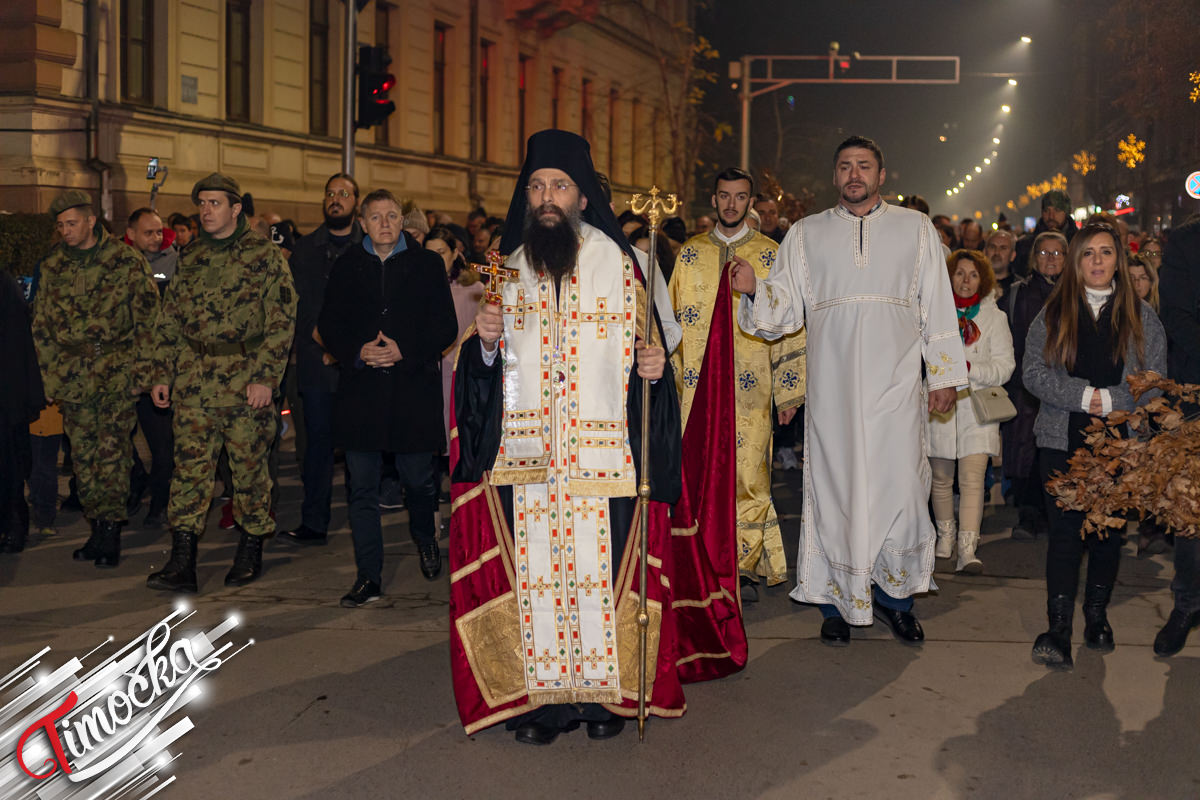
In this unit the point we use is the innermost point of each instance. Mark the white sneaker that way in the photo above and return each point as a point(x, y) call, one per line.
point(945, 538)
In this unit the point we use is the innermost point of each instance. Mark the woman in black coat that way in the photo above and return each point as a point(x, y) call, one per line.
point(386, 318)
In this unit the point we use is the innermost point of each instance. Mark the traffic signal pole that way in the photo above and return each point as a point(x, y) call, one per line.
point(350, 50)
point(833, 67)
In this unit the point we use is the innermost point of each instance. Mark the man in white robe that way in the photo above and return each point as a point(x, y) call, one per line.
point(869, 281)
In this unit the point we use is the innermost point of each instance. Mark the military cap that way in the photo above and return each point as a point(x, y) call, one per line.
point(216, 183)
point(1056, 198)
point(72, 198)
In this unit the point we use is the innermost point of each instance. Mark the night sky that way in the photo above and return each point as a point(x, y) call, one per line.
point(907, 120)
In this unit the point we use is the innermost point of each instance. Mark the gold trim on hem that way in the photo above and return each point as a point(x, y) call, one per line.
point(467, 497)
point(694, 656)
point(686, 531)
point(705, 603)
point(658, 711)
point(466, 570)
point(566, 696)
point(499, 716)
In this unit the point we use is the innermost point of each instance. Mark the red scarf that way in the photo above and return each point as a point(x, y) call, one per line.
point(967, 308)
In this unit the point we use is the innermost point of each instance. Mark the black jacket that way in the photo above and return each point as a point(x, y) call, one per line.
point(312, 259)
point(1179, 302)
point(397, 409)
point(1026, 298)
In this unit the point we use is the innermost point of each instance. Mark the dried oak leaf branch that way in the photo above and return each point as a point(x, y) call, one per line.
point(1153, 472)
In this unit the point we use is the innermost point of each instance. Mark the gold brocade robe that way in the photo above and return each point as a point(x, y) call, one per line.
point(761, 369)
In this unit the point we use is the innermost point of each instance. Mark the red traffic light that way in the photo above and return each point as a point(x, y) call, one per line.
point(843, 63)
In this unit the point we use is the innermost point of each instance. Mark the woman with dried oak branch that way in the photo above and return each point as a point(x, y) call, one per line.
point(1092, 334)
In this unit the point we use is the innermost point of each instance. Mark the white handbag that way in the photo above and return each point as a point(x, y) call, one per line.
point(991, 404)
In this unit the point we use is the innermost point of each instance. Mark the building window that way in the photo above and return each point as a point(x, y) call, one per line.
point(137, 51)
point(439, 88)
point(318, 67)
point(485, 66)
point(556, 98)
point(612, 132)
point(585, 108)
point(383, 35)
point(522, 96)
point(237, 60)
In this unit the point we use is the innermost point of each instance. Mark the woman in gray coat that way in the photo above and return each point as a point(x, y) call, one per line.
point(1092, 333)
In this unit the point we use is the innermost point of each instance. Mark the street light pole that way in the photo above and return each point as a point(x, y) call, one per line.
point(746, 98)
point(350, 45)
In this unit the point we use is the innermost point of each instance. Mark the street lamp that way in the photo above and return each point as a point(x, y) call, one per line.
point(1026, 40)
point(1006, 108)
point(1012, 81)
point(995, 140)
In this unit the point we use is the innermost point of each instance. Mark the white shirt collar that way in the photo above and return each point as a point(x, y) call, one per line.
point(729, 239)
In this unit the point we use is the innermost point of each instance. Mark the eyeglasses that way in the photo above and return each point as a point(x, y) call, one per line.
point(1049, 253)
point(332, 194)
point(537, 187)
point(1151, 252)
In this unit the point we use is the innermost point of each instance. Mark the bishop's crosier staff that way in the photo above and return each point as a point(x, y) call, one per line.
point(654, 208)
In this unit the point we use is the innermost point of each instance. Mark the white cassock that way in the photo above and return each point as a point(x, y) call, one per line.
point(876, 297)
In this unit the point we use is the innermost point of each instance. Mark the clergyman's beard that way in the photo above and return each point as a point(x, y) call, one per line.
point(552, 247)
point(338, 223)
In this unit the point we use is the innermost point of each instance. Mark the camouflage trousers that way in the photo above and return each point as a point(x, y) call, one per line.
point(247, 434)
point(101, 451)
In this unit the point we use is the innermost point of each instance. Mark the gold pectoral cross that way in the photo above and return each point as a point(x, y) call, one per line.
point(496, 274)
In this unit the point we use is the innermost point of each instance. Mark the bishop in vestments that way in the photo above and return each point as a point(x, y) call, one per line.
point(544, 444)
point(869, 282)
point(760, 371)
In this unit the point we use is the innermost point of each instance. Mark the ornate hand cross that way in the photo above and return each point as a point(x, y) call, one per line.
point(496, 274)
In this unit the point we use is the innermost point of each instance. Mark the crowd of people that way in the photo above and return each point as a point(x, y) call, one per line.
point(504, 365)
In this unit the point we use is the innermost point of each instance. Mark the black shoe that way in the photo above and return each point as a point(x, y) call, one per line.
point(1097, 633)
point(749, 589)
point(537, 733)
point(71, 503)
point(1173, 636)
point(903, 624)
point(13, 541)
point(431, 560)
point(179, 575)
point(155, 518)
point(1053, 648)
point(91, 548)
point(247, 562)
point(835, 632)
point(606, 729)
point(303, 535)
point(364, 592)
point(109, 545)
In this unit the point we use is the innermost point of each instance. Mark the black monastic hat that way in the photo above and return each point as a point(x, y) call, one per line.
point(572, 154)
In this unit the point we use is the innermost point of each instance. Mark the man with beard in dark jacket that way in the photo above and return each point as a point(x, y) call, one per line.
point(316, 370)
point(1056, 216)
point(387, 318)
point(1025, 299)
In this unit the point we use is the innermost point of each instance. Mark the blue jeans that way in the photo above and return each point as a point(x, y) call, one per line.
point(420, 498)
point(43, 479)
point(317, 470)
point(881, 598)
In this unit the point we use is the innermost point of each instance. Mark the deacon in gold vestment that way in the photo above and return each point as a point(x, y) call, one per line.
point(761, 370)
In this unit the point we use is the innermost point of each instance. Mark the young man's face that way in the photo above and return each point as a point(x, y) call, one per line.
point(218, 216)
point(732, 201)
point(75, 226)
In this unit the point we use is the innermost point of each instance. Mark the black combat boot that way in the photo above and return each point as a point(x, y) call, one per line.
point(13, 540)
point(91, 550)
point(179, 575)
point(247, 562)
point(1097, 633)
point(1053, 648)
point(109, 551)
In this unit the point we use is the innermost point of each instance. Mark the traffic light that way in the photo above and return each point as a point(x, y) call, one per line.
point(374, 83)
point(843, 65)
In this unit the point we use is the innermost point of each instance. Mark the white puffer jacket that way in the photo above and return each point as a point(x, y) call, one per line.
point(956, 433)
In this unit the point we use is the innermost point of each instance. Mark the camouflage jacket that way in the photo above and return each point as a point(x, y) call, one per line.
point(225, 293)
point(93, 319)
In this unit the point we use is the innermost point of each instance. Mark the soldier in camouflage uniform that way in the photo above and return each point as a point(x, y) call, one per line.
point(93, 318)
point(221, 345)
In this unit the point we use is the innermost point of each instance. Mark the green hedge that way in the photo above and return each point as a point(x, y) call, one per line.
point(24, 241)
